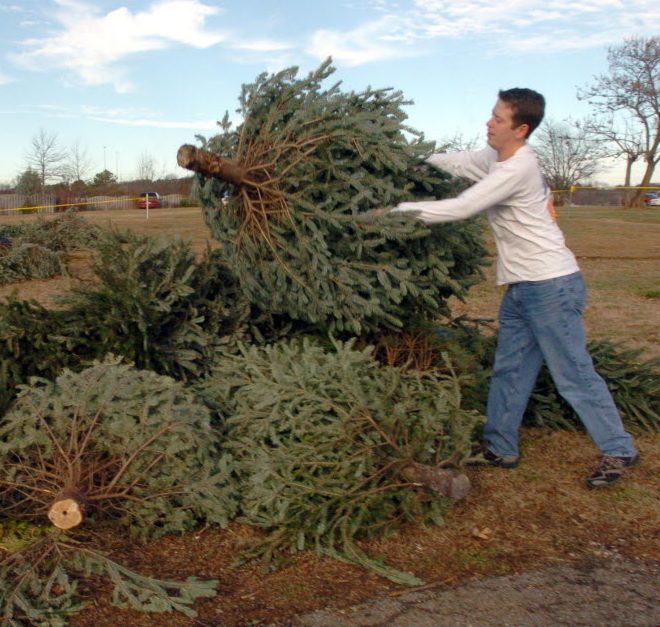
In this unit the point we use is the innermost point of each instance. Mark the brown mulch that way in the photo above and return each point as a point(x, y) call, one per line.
point(513, 520)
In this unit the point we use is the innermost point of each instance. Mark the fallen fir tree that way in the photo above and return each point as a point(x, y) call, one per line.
point(329, 446)
point(288, 194)
point(64, 232)
point(23, 261)
point(39, 585)
point(111, 443)
point(37, 250)
point(148, 300)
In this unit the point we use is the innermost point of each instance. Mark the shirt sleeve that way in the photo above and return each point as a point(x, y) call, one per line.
point(494, 189)
point(472, 165)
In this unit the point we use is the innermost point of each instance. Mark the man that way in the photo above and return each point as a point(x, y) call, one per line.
point(541, 313)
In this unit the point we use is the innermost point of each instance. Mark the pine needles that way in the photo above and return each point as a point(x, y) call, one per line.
point(120, 444)
point(295, 225)
point(321, 439)
point(123, 443)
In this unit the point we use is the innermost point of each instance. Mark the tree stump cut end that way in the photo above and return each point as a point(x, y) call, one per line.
point(441, 481)
point(65, 513)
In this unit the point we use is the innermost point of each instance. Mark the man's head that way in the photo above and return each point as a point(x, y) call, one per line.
point(527, 105)
point(516, 114)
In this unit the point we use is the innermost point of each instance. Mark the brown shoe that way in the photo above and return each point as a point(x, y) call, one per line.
point(610, 469)
point(483, 456)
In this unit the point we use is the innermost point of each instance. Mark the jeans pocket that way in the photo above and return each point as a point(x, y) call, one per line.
point(578, 292)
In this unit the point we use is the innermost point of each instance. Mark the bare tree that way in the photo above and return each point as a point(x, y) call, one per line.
point(627, 100)
point(458, 142)
point(46, 157)
point(78, 163)
point(622, 141)
point(567, 156)
point(146, 167)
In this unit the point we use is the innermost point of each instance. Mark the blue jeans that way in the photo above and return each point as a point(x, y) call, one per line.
point(542, 320)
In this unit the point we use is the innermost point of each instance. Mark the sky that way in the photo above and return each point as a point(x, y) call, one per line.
point(125, 81)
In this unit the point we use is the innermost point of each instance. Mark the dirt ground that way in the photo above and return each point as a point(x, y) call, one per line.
point(514, 522)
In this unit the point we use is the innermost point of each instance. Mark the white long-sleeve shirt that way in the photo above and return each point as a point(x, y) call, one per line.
point(530, 244)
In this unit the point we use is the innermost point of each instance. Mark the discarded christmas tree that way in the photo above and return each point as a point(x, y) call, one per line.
point(289, 194)
point(37, 250)
point(109, 443)
point(146, 300)
point(328, 446)
point(112, 442)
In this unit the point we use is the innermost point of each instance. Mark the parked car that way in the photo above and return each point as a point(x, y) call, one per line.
point(650, 196)
point(654, 202)
point(148, 197)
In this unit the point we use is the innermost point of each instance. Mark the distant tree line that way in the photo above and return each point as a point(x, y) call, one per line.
point(50, 167)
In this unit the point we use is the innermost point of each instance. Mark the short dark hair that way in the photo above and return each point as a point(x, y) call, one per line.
point(528, 106)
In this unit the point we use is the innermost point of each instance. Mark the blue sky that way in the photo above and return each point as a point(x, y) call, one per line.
point(128, 79)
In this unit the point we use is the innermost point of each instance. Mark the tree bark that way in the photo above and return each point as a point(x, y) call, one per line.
point(210, 164)
point(442, 481)
point(629, 164)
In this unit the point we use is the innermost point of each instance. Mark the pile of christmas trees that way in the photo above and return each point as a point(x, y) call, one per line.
point(296, 378)
point(37, 250)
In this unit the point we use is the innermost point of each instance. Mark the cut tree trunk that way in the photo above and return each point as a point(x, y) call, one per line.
point(441, 481)
point(67, 510)
point(210, 164)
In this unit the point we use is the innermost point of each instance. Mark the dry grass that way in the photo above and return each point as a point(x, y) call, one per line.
point(537, 514)
point(619, 253)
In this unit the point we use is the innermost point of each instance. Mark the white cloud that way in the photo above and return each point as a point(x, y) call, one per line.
point(198, 125)
point(262, 45)
point(133, 116)
point(126, 116)
point(92, 46)
point(373, 41)
point(5, 78)
point(12, 8)
point(524, 25)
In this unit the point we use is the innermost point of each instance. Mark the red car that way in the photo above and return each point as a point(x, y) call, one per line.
point(148, 197)
point(651, 199)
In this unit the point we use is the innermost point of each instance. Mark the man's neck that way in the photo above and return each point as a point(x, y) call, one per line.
point(507, 152)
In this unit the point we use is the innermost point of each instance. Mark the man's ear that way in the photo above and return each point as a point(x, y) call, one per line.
point(522, 131)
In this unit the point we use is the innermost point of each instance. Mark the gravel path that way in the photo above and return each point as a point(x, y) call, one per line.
point(617, 592)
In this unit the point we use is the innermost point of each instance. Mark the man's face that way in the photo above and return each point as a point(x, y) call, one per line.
point(501, 133)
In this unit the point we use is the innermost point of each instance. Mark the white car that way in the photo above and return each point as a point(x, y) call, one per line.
point(654, 202)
